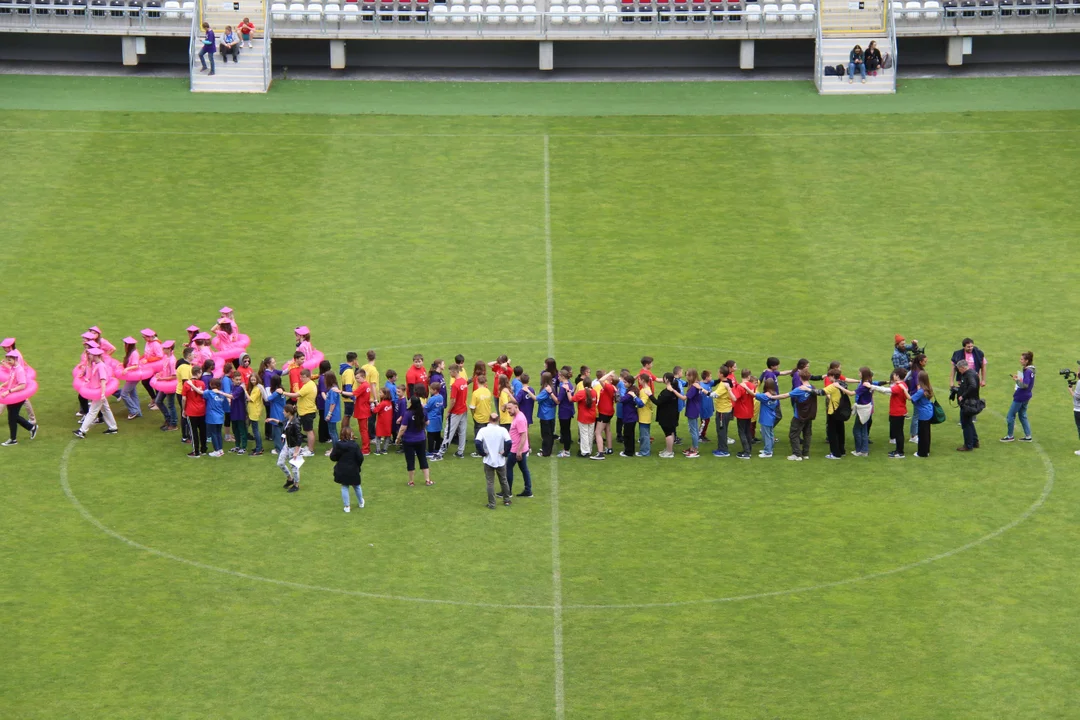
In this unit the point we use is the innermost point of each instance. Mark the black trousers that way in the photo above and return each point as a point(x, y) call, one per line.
point(836, 435)
point(434, 442)
point(150, 391)
point(1076, 417)
point(744, 434)
point(628, 438)
point(924, 438)
point(324, 429)
point(896, 432)
point(15, 420)
point(226, 51)
point(619, 429)
point(198, 434)
point(799, 435)
point(564, 433)
point(547, 437)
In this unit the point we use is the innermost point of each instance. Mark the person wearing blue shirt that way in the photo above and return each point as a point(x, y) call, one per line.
point(275, 412)
point(546, 410)
point(922, 400)
point(767, 415)
point(433, 411)
point(620, 390)
point(217, 403)
point(708, 407)
point(331, 411)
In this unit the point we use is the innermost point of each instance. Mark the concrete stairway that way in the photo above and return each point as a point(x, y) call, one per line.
point(245, 76)
point(835, 50)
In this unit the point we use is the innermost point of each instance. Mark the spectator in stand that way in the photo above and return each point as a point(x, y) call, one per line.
point(246, 28)
point(230, 45)
point(976, 360)
point(873, 61)
point(856, 63)
point(208, 47)
point(1025, 383)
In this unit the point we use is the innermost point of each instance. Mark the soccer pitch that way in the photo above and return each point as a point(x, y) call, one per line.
point(524, 220)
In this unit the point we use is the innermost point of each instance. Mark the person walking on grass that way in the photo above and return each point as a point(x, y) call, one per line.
point(1025, 384)
point(645, 407)
point(566, 410)
point(348, 459)
point(494, 445)
point(275, 413)
point(1074, 393)
point(305, 405)
point(586, 415)
point(256, 408)
point(412, 437)
point(98, 376)
point(546, 412)
point(923, 400)
point(606, 399)
point(130, 392)
point(918, 363)
point(289, 458)
point(209, 47)
point(804, 412)
point(864, 411)
point(457, 411)
point(433, 411)
point(481, 404)
point(16, 382)
point(519, 450)
point(898, 399)
point(722, 403)
point(331, 408)
point(743, 408)
point(692, 409)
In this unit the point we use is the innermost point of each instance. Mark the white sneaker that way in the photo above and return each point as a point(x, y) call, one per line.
point(764, 454)
point(348, 509)
point(361, 503)
point(892, 441)
point(796, 458)
point(830, 456)
point(306, 453)
point(731, 441)
point(1077, 452)
point(666, 454)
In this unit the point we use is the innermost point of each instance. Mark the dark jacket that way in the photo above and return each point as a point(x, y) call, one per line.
point(667, 409)
point(976, 355)
point(873, 59)
point(294, 437)
point(968, 389)
point(348, 457)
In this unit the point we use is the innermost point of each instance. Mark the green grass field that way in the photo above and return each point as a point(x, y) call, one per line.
point(139, 583)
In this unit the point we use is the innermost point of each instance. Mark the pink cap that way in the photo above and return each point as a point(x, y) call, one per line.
point(87, 335)
point(130, 340)
point(225, 309)
point(13, 355)
point(95, 352)
point(147, 332)
point(193, 328)
point(91, 344)
point(95, 328)
point(168, 344)
point(7, 342)
point(202, 336)
point(303, 330)
point(224, 320)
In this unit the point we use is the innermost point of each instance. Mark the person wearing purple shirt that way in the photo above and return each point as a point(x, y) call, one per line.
point(693, 411)
point(238, 415)
point(1025, 383)
point(209, 47)
point(526, 399)
point(629, 402)
point(566, 411)
point(412, 436)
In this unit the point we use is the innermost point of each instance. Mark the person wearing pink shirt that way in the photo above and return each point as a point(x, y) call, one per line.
point(98, 373)
point(16, 382)
point(106, 347)
point(519, 449)
point(192, 332)
point(224, 333)
point(151, 353)
point(303, 341)
point(8, 346)
point(202, 351)
point(130, 393)
point(166, 402)
point(226, 313)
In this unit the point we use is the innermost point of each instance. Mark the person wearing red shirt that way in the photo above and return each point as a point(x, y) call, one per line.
point(195, 410)
point(384, 417)
point(646, 369)
point(501, 366)
point(605, 408)
point(293, 368)
point(361, 395)
point(898, 398)
point(586, 418)
point(742, 396)
point(417, 373)
point(457, 405)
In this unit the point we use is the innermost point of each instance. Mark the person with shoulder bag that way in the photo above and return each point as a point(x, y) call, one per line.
point(967, 398)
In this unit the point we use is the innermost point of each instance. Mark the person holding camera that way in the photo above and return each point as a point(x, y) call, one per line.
point(1074, 391)
point(1025, 383)
point(967, 399)
point(902, 353)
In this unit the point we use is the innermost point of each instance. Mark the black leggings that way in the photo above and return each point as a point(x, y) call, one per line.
point(150, 392)
point(743, 424)
point(15, 420)
point(1076, 417)
point(619, 424)
point(434, 442)
point(836, 435)
point(414, 451)
point(547, 437)
point(924, 438)
point(628, 429)
point(198, 434)
point(564, 433)
point(896, 432)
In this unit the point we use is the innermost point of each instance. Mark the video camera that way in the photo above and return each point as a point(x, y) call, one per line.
point(915, 350)
point(1069, 375)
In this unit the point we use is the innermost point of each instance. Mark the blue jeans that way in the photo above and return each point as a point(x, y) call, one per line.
point(644, 445)
point(1018, 408)
point(861, 434)
point(524, 465)
point(345, 494)
point(214, 433)
point(768, 437)
point(207, 50)
point(167, 404)
point(130, 396)
point(256, 434)
point(331, 428)
point(851, 70)
point(275, 435)
point(695, 432)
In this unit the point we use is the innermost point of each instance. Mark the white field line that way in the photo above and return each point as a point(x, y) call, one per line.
point(556, 560)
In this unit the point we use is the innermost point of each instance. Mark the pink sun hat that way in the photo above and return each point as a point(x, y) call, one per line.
point(202, 336)
point(95, 352)
point(193, 328)
point(91, 344)
point(168, 344)
point(225, 309)
point(13, 355)
point(7, 342)
point(303, 330)
point(223, 320)
point(87, 335)
point(95, 328)
point(129, 340)
point(147, 332)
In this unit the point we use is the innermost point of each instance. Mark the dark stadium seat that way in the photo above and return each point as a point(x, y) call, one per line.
point(41, 7)
point(951, 8)
point(61, 7)
point(22, 7)
point(153, 8)
point(134, 8)
point(117, 8)
point(1042, 7)
point(1023, 7)
point(968, 8)
point(987, 6)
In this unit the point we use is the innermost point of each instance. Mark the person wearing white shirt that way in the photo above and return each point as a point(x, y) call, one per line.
point(493, 444)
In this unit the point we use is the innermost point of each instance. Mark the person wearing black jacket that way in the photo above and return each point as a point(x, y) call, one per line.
point(873, 58)
point(667, 414)
point(346, 453)
point(967, 398)
point(294, 441)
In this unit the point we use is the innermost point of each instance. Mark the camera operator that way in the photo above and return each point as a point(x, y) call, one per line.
point(967, 399)
point(902, 354)
point(975, 358)
point(1074, 391)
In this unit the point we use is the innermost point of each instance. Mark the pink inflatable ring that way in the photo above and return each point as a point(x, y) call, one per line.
point(93, 390)
point(31, 373)
point(163, 386)
point(314, 360)
point(22, 396)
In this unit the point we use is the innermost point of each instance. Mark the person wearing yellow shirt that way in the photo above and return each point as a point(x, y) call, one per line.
point(306, 409)
point(721, 395)
point(256, 406)
point(644, 416)
point(505, 397)
point(348, 380)
point(183, 374)
point(372, 373)
point(833, 392)
point(481, 404)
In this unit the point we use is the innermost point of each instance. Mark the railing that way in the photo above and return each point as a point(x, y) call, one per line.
point(191, 49)
point(958, 16)
point(890, 25)
point(108, 17)
point(267, 65)
point(819, 62)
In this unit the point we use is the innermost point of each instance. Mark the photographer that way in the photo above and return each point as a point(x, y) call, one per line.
point(975, 358)
point(967, 398)
point(902, 354)
point(1074, 392)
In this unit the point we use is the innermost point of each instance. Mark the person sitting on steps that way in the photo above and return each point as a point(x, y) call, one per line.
point(230, 45)
point(873, 58)
point(855, 62)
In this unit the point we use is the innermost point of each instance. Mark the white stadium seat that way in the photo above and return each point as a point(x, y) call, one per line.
point(527, 18)
point(314, 8)
point(806, 12)
point(475, 13)
point(439, 14)
point(592, 14)
point(296, 9)
point(610, 13)
point(189, 9)
point(351, 13)
point(492, 13)
point(172, 9)
point(557, 14)
point(753, 12)
point(932, 9)
point(457, 14)
point(333, 12)
point(573, 13)
point(772, 11)
point(510, 16)
point(789, 10)
point(913, 10)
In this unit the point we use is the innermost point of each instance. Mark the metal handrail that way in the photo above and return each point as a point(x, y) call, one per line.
point(267, 66)
point(191, 49)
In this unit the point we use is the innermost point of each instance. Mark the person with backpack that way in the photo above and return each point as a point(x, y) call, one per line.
point(923, 400)
point(838, 412)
